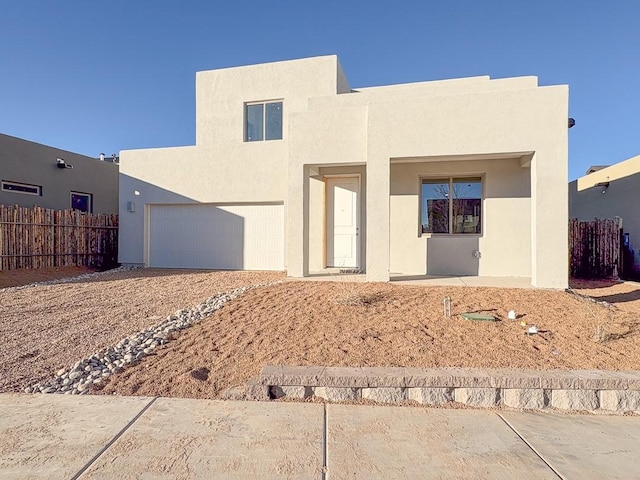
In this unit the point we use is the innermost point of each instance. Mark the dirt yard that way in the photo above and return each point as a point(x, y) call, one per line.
point(48, 327)
point(342, 324)
point(45, 328)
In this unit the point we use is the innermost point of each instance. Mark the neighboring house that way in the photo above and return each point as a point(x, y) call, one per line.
point(608, 192)
point(34, 174)
point(293, 169)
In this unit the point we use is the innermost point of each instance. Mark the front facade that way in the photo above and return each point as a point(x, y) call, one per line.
point(608, 192)
point(38, 175)
point(293, 169)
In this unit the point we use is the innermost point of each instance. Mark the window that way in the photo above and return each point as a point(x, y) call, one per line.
point(262, 121)
point(452, 205)
point(16, 187)
point(82, 201)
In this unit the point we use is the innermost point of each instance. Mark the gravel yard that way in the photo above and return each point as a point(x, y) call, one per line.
point(44, 328)
point(48, 327)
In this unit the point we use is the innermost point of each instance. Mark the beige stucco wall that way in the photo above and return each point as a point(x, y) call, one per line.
point(517, 121)
point(222, 167)
point(28, 162)
point(617, 171)
point(329, 125)
point(504, 243)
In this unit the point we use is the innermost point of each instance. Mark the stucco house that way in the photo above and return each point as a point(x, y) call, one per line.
point(293, 169)
point(35, 174)
point(608, 192)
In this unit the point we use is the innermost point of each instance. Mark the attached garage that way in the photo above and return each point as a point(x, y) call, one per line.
point(208, 236)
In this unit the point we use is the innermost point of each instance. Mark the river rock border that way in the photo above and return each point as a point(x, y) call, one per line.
point(96, 368)
point(594, 391)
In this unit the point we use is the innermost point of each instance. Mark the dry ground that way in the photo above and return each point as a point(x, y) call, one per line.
point(12, 278)
point(48, 327)
point(44, 328)
point(341, 324)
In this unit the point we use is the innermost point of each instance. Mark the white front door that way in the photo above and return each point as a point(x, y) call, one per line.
point(343, 197)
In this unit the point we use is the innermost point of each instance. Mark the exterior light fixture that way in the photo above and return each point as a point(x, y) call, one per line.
point(60, 163)
point(603, 185)
point(572, 122)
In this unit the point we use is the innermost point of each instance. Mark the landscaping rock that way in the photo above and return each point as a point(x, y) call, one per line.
point(135, 347)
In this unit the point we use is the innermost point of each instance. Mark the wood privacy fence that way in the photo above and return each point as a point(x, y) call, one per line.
point(39, 238)
point(594, 248)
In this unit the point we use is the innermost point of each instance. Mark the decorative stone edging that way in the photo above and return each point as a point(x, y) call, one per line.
point(96, 368)
point(583, 390)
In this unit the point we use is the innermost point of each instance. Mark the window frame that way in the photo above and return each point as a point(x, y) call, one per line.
point(451, 179)
point(264, 104)
point(21, 184)
point(89, 198)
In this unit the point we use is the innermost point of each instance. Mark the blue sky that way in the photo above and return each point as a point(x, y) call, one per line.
point(95, 77)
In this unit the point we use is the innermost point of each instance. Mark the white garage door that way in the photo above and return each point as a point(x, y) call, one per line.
point(235, 237)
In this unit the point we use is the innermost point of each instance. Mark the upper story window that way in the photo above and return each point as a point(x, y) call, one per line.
point(452, 205)
point(262, 121)
point(17, 187)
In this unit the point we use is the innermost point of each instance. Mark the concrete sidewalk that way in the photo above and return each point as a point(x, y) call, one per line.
point(69, 437)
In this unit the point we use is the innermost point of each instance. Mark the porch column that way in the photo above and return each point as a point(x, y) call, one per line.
point(297, 221)
point(549, 218)
point(378, 239)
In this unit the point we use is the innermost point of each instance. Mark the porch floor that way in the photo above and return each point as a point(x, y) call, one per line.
point(469, 281)
point(334, 275)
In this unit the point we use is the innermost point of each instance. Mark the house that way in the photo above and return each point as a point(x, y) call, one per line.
point(294, 169)
point(608, 192)
point(34, 174)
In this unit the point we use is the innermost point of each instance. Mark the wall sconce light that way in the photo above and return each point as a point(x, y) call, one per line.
point(62, 164)
point(572, 122)
point(131, 206)
point(604, 186)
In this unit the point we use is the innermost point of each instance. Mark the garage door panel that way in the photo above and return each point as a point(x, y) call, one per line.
point(234, 237)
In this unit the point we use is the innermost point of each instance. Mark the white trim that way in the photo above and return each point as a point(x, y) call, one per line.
point(20, 184)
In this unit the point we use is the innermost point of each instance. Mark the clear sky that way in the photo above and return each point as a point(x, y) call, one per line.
point(93, 77)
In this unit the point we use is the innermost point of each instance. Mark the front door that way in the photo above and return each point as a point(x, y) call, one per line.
point(343, 197)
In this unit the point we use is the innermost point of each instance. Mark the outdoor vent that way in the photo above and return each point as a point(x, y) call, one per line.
point(131, 206)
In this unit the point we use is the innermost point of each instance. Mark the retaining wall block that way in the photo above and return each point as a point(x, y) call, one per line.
point(532, 398)
point(620, 400)
point(337, 394)
point(478, 397)
point(574, 399)
point(256, 392)
point(430, 396)
point(297, 392)
point(385, 394)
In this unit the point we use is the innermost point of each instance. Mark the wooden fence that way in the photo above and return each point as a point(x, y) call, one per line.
point(595, 248)
point(39, 238)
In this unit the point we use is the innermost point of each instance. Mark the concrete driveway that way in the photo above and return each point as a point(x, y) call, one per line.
point(69, 437)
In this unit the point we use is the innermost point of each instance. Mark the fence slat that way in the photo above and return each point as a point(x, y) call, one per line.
point(39, 238)
point(594, 248)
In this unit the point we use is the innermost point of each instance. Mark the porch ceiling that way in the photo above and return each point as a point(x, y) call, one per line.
point(524, 157)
